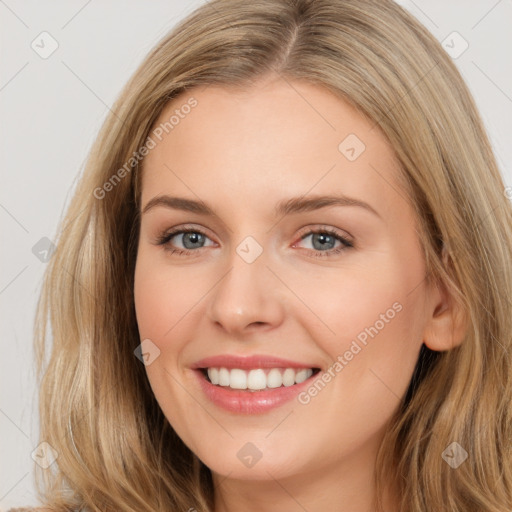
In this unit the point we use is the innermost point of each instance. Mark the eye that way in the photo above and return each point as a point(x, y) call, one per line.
point(324, 241)
point(190, 238)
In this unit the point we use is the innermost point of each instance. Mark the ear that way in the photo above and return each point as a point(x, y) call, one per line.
point(446, 326)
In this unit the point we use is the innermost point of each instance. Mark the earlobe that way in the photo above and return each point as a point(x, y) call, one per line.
point(447, 326)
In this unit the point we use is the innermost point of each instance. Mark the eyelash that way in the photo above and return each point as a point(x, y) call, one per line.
point(165, 238)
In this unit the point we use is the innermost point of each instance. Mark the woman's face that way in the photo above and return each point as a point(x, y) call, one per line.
point(273, 282)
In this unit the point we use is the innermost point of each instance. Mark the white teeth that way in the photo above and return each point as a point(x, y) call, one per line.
point(237, 379)
point(223, 377)
point(213, 374)
point(274, 378)
point(258, 378)
point(301, 376)
point(289, 377)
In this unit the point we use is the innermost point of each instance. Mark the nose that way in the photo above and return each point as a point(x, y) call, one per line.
point(247, 299)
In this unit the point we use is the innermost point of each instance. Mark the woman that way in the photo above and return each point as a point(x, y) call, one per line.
point(262, 369)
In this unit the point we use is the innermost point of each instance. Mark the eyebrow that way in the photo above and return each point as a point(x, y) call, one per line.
point(286, 207)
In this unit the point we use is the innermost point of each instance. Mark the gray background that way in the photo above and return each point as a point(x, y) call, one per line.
point(52, 109)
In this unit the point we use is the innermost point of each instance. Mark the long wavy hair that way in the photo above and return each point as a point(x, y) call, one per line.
point(116, 450)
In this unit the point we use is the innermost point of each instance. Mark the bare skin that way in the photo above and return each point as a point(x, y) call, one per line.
point(242, 152)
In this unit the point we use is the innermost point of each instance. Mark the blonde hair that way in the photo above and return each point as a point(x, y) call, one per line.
point(116, 450)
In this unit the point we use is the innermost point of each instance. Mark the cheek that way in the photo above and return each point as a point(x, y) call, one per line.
point(348, 302)
point(370, 320)
point(373, 351)
point(161, 298)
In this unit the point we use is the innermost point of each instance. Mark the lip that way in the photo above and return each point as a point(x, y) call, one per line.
point(249, 362)
point(244, 401)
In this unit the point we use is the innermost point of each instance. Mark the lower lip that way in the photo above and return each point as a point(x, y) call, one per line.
point(247, 402)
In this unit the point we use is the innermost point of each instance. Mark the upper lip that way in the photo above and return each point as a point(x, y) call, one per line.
point(248, 362)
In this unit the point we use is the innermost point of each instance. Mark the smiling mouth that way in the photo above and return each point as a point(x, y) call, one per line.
point(257, 379)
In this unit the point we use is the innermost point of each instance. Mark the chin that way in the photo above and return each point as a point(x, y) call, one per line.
point(244, 465)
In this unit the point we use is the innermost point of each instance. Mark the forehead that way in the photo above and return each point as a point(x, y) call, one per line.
point(276, 139)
